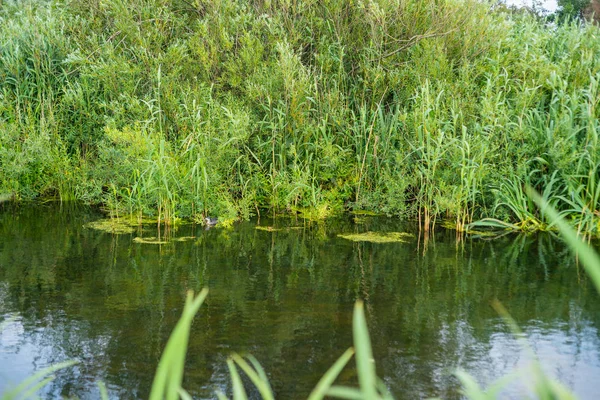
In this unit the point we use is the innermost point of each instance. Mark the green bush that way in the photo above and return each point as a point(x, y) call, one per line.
point(412, 108)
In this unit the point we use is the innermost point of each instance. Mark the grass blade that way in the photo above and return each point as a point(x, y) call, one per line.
point(103, 391)
point(330, 376)
point(470, 387)
point(184, 395)
point(259, 369)
point(589, 258)
point(493, 223)
point(238, 387)
point(344, 392)
point(33, 379)
point(364, 355)
point(221, 396)
point(29, 393)
point(261, 383)
point(169, 373)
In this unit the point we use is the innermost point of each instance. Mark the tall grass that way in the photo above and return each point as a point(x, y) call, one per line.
point(412, 108)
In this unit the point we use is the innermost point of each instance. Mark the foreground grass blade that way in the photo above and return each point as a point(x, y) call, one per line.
point(259, 379)
point(184, 395)
point(589, 258)
point(169, 373)
point(29, 393)
point(221, 396)
point(239, 393)
point(25, 388)
point(470, 388)
point(493, 223)
point(545, 388)
point(344, 392)
point(383, 390)
point(330, 376)
point(364, 355)
point(259, 369)
point(103, 391)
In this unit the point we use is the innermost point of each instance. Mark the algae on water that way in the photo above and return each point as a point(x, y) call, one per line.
point(183, 239)
point(163, 240)
point(378, 237)
point(150, 240)
point(115, 226)
point(273, 229)
point(365, 213)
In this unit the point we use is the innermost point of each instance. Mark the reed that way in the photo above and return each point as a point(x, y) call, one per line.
point(417, 109)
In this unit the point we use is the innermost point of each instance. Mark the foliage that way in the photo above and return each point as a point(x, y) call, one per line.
point(415, 108)
point(571, 9)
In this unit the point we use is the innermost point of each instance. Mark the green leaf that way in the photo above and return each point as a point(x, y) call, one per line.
point(470, 388)
point(221, 396)
point(238, 387)
point(588, 257)
point(344, 392)
point(261, 383)
point(493, 223)
point(330, 376)
point(103, 391)
point(184, 395)
point(169, 372)
point(364, 355)
point(44, 375)
point(29, 393)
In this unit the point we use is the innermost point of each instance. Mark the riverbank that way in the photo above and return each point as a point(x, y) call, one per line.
point(421, 110)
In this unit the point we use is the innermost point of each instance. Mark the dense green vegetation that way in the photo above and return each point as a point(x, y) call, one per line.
point(428, 109)
point(572, 8)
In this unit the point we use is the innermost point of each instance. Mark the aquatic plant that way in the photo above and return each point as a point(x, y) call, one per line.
point(414, 109)
point(116, 226)
point(378, 237)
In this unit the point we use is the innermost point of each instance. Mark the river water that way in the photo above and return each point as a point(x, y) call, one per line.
point(286, 296)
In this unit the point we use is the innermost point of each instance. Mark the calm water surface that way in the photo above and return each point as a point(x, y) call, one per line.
point(70, 292)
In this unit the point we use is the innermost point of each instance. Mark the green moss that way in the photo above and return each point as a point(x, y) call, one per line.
point(378, 237)
point(268, 229)
point(150, 240)
point(365, 213)
point(488, 234)
point(115, 226)
point(183, 239)
point(273, 229)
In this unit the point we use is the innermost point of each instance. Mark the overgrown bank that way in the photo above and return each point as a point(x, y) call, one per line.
point(413, 108)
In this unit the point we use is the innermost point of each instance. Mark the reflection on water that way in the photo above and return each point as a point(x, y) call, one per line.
point(286, 296)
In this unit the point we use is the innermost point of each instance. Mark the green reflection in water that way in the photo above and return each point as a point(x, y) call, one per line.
point(285, 294)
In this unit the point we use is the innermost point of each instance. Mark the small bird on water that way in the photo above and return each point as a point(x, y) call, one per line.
point(210, 221)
